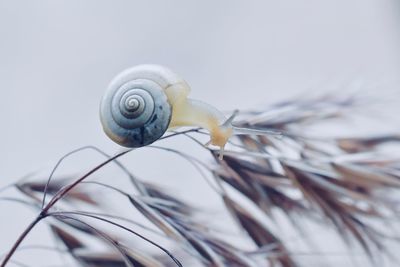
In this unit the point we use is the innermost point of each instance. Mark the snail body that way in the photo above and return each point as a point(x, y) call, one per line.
point(145, 101)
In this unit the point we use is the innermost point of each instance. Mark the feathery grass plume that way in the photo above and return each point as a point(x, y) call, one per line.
point(346, 183)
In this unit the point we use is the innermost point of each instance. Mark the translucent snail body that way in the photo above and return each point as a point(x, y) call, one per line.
point(145, 101)
point(190, 112)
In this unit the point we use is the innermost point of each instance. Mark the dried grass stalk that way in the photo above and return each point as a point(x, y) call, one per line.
point(346, 183)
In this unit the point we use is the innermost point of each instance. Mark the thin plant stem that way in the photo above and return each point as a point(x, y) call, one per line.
point(177, 262)
point(65, 191)
point(135, 182)
point(52, 202)
point(21, 238)
point(106, 237)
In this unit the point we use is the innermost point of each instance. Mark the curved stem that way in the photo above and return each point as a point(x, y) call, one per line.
point(21, 238)
point(177, 262)
point(62, 193)
point(133, 179)
point(54, 200)
point(67, 189)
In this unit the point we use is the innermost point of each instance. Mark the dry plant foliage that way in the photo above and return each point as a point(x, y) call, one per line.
point(347, 184)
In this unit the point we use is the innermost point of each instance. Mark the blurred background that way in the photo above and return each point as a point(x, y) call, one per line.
point(57, 58)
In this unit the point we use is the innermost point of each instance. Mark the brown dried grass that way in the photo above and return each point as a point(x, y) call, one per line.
point(343, 183)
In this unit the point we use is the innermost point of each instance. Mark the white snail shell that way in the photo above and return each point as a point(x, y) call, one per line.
point(143, 102)
point(135, 110)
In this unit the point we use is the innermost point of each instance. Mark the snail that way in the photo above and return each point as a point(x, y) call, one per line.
point(145, 101)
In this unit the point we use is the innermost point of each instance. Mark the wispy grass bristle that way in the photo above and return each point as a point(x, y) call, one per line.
point(347, 184)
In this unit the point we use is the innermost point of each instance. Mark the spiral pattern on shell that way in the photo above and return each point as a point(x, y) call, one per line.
point(135, 110)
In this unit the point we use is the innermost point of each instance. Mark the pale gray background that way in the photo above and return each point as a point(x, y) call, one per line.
point(57, 57)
